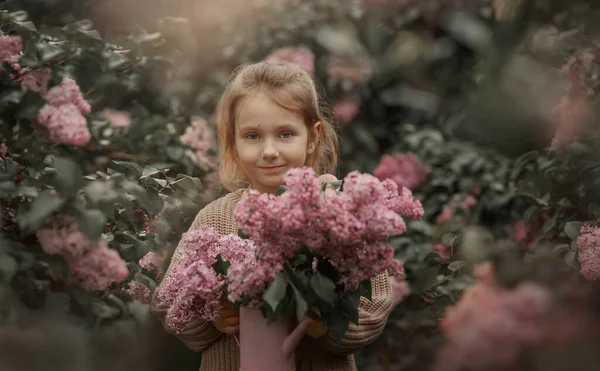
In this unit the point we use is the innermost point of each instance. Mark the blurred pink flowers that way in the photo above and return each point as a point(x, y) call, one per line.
point(589, 252)
point(93, 265)
point(346, 109)
point(200, 138)
point(405, 169)
point(490, 326)
point(63, 116)
point(300, 56)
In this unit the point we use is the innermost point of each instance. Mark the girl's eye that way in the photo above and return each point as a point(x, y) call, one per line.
point(252, 136)
point(286, 135)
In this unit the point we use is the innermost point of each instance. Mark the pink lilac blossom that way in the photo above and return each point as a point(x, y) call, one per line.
point(350, 228)
point(36, 80)
point(574, 110)
point(65, 124)
point(444, 252)
point(94, 265)
point(139, 292)
point(468, 203)
point(528, 234)
point(490, 326)
point(445, 216)
point(195, 289)
point(346, 109)
point(63, 116)
point(301, 56)
point(200, 139)
point(589, 252)
point(405, 169)
point(116, 118)
point(152, 262)
point(10, 46)
point(67, 93)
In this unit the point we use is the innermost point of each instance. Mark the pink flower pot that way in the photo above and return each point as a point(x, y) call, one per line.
point(267, 347)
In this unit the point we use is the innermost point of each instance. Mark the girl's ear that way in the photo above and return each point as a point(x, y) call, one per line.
point(315, 135)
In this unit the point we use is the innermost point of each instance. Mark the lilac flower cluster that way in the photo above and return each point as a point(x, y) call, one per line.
point(94, 265)
point(405, 169)
point(490, 326)
point(349, 229)
point(194, 290)
point(589, 252)
point(63, 116)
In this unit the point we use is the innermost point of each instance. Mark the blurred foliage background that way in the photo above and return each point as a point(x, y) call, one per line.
point(486, 109)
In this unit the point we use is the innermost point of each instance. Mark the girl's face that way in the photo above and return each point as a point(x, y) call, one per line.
point(269, 140)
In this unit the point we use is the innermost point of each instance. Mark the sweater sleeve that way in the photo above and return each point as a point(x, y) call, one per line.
point(198, 335)
point(372, 317)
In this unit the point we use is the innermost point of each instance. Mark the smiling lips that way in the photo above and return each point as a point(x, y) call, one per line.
point(272, 169)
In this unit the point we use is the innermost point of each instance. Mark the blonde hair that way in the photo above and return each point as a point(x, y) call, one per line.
point(288, 86)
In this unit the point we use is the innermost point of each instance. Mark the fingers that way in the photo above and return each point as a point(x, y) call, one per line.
point(232, 330)
point(230, 321)
point(229, 312)
point(327, 178)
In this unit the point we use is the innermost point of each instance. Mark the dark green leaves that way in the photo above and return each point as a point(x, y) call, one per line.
point(324, 288)
point(572, 229)
point(280, 190)
point(91, 222)
point(33, 217)
point(276, 291)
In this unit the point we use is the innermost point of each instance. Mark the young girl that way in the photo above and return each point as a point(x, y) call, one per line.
point(268, 122)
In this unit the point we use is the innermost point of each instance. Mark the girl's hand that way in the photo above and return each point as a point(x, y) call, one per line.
point(325, 178)
point(228, 321)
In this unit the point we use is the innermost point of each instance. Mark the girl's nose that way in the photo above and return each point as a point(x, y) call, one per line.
point(270, 150)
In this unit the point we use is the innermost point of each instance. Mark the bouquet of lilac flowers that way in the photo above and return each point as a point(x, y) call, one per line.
point(194, 289)
point(317, 250)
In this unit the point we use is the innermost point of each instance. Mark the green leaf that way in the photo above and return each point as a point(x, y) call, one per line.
point(221, 266)
point(91, 222)
point(8, 268)
point(337, 325)
point(572, 229)
point(275, 293)
point(324, 288)
point(149, 171)
point(366, 289)
point(456, 265)
point(92, 34)
point(570, 258)
point(280, 190)
point(188, 183)
point(526, 158)
point(301, 304)
point(561, 249)
point(530, 213)
point(132, 166)
point(44, 205)
point(69, 177)
point(47, 52)
point(549, 225)
point(242, 234)
point(349, 305)
point(29, 26)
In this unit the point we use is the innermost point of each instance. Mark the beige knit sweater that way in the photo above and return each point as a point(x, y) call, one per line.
point(220, 352)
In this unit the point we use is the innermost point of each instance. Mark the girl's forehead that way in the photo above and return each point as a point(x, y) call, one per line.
point(261, 108)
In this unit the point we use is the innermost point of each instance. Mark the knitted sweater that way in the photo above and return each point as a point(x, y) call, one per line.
point(220, 352)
